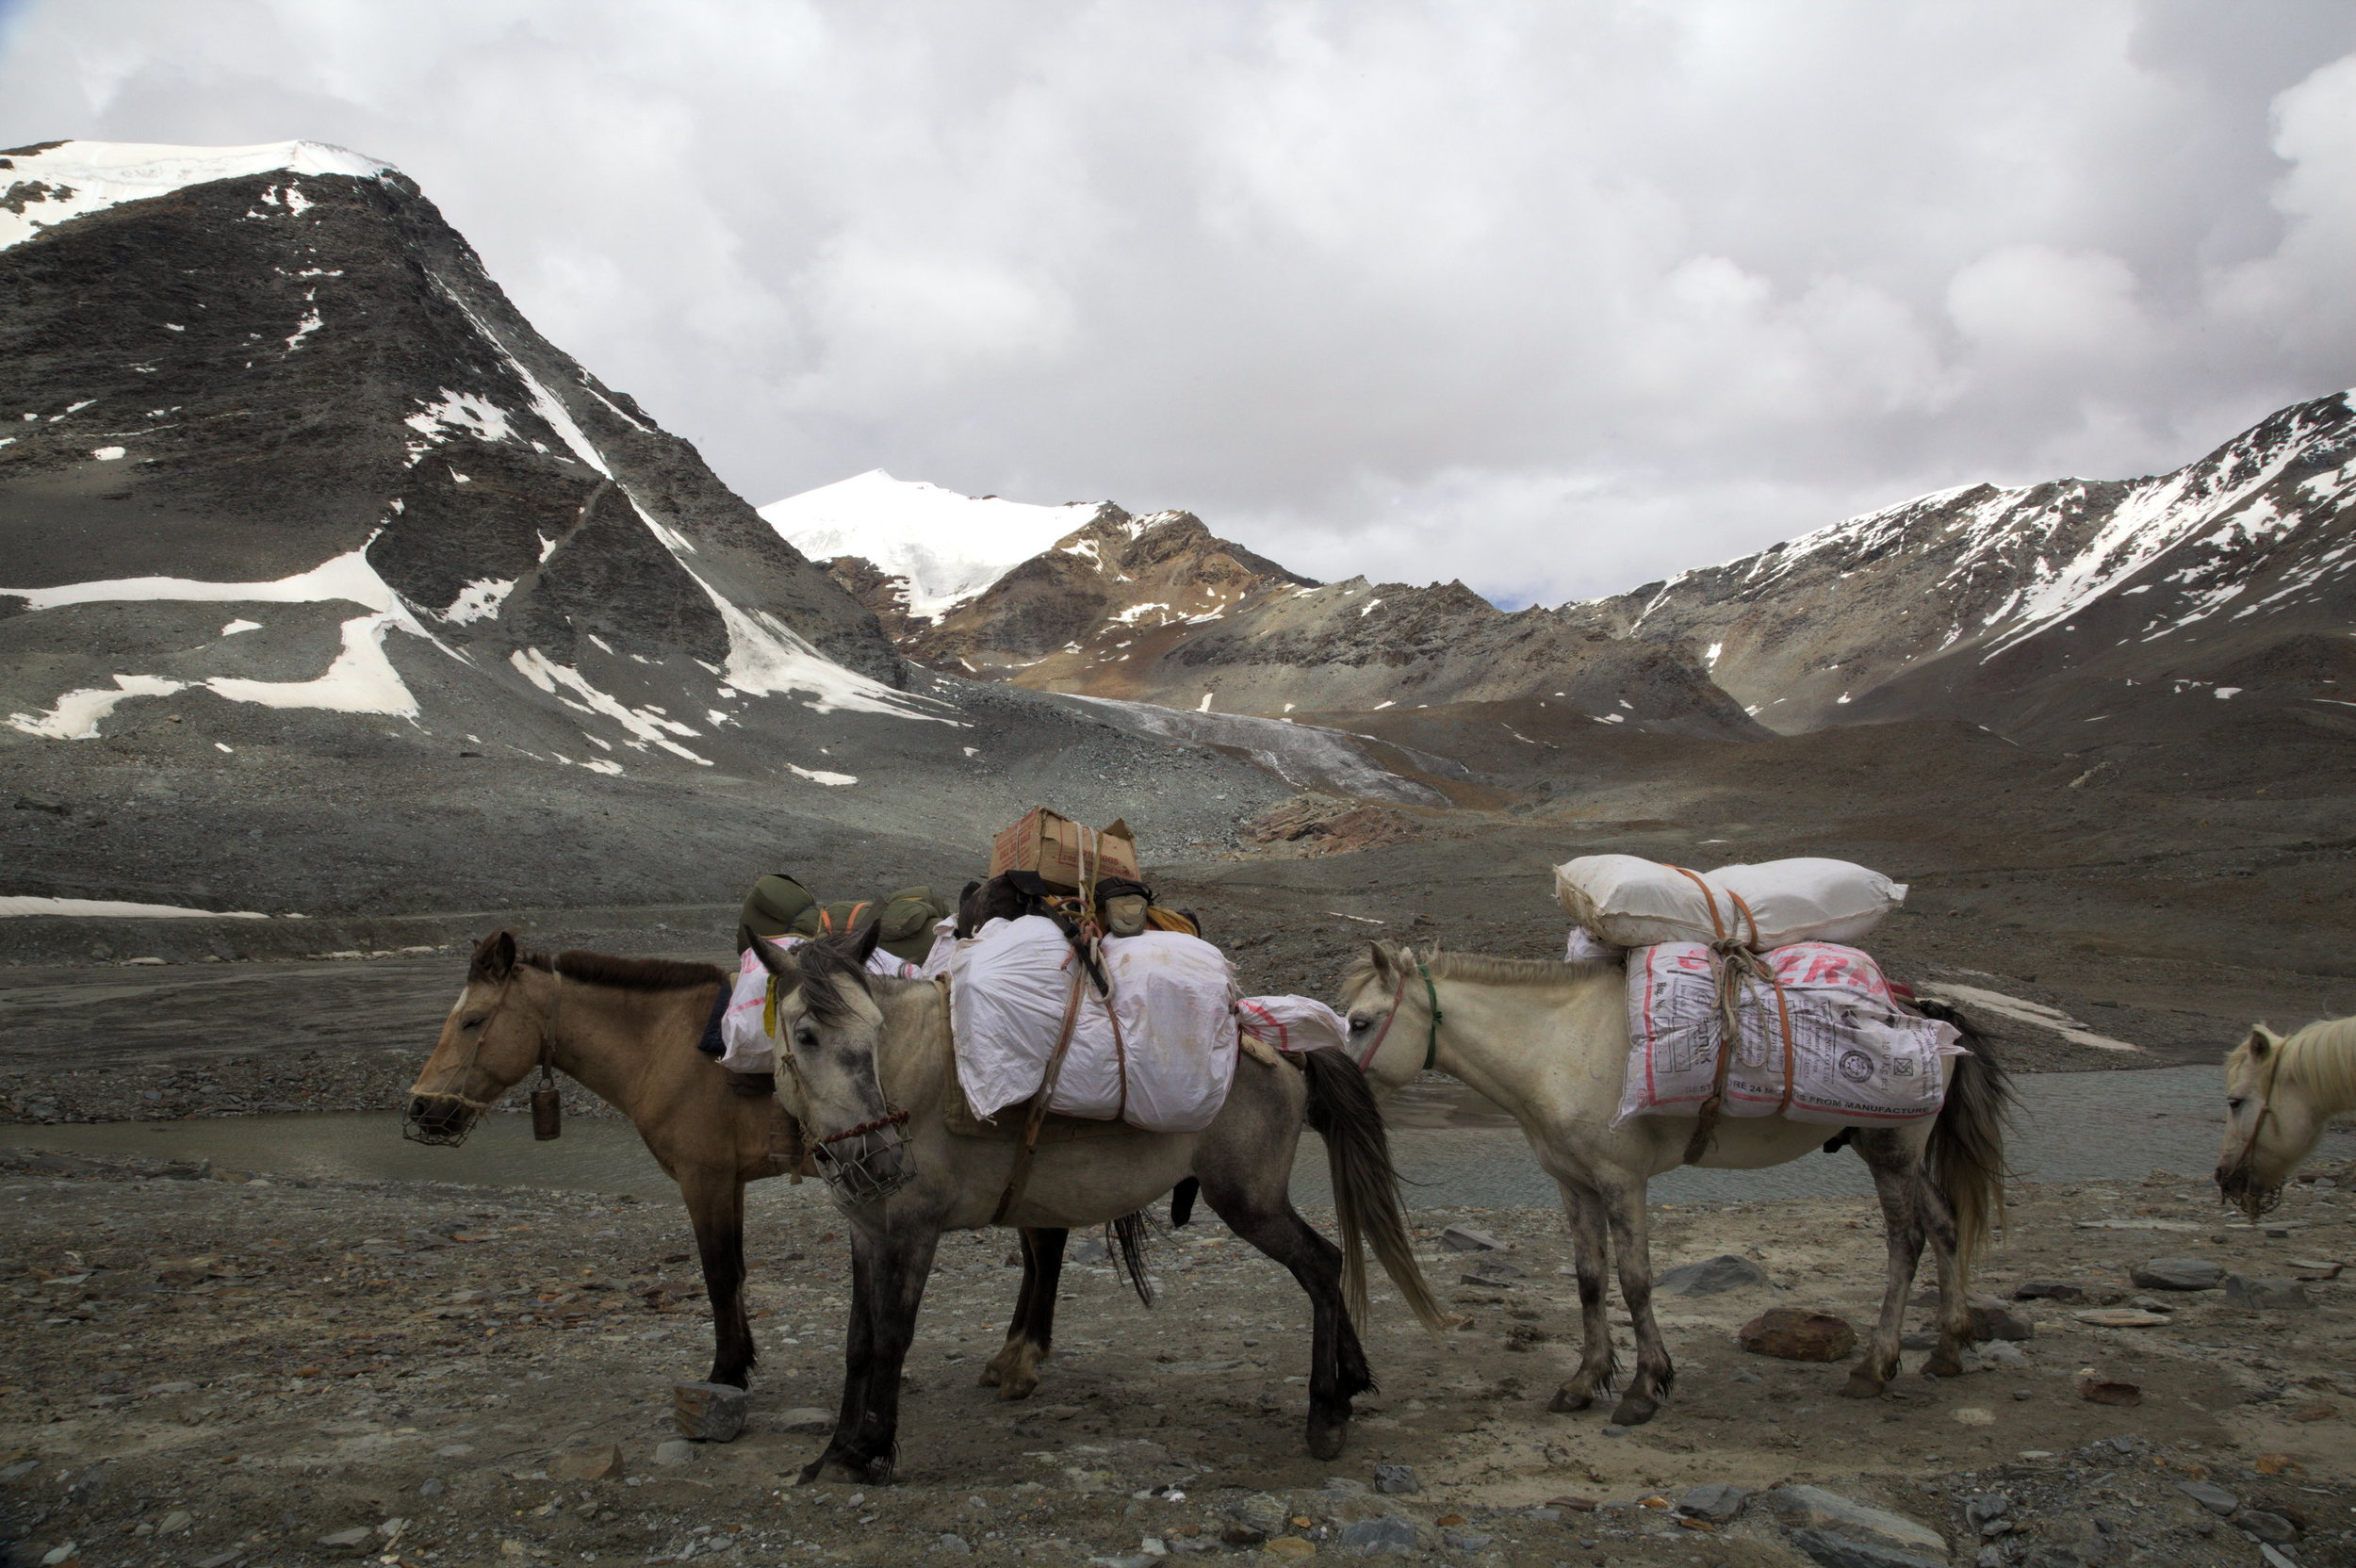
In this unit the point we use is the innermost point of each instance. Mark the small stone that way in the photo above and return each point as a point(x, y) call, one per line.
point(955, 1545)
point(1260, 1511)
point(602, 1462)
point(1396, 1479)
point(2272, 1528)
point(354, 1537)
point(2177, 1274)
point(432, 1486)
point(1985, 1509)
point(708, 1412)
point(2150, 1303)
point(1615, 1431)
point(1829, 1514)
point(1714, 1502)
point(1290, 1548)
point(2047, 1290)
point(1711, 1276)
point(1465, 1541)
point(1791, 1334)
point(2003, 1352)
point(1464, 1238)
point(2107, 1391)
point(175, 1522)
point(1745, 1375)
point(2213, 1497)
point(674, 1450)
point(1383, 1536)
point(1971, 1416)
point(2267, 1295)
point(2121, 1318)
point(807, 1420)
point(1348, 1486)
point(1993, 1320)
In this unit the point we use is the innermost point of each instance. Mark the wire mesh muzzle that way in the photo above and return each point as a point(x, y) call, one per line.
point(441, 1120)
point(848, 1164)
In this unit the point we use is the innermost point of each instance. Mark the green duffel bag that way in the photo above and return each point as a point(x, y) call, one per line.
point(908, 917)
point(776, 907)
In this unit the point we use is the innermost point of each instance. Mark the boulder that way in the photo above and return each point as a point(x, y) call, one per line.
point(708, 1412)
point(1835, 1517)
point(2267, 1295)
point(1714, 1502)
point(1711, 1276)
point(601, 1463)
point(1791, 1334)
point(2177, 1274)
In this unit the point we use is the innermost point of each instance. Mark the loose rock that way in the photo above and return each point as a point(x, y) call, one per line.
point(1711, 1276)
point(2272, 1528)
point(2215, 1498)
point(2177, 1274)
point(2267, 1295)
point(1812, 1508)
point(2107, 1391)
point(1464, 1238)
point(1396, 1479)
point(1791, 1334)
point(1839, 1551)
point(708, 1412)
point(807, 1420)
point(1717, 1503)
point(602, 1462)
point(1383, 1536)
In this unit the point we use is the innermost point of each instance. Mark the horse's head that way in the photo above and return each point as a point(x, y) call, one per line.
point(829, 1031)
point(2270, 1125)
point(1371, 993)
point(490, 1039)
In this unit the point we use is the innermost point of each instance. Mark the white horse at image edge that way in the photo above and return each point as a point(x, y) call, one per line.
point(2281, 1092)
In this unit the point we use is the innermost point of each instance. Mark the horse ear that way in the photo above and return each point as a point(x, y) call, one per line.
point(771, 960)
point(494, 957)
point(2262, 1040)
point(1380, 957)
point(863, 946)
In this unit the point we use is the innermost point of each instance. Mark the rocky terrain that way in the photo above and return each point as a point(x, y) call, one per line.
point(240, 1367)
point(2165, 608)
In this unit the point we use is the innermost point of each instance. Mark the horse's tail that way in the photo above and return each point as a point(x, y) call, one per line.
point(1365, 1185)
point(1966, 1146)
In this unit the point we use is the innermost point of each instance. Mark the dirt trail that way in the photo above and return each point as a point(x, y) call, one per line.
point(217, 1374)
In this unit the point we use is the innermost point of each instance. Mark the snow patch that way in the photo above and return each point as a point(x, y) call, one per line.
point(556, 680)
point(234, 628)
point(107, 908)
point(83, 178)
point(78, 714)
point(949, 548)
point(479, 600)
point(462, 410)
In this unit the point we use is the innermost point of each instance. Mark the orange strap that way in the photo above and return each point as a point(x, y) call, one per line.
point(1731, 961)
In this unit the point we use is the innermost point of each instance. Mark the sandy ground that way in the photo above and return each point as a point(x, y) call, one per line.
point(218, 1373)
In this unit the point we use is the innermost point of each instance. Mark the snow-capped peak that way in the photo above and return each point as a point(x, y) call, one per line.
point(74, 178)
point(948, 547)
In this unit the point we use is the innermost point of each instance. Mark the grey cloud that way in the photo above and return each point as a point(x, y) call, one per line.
point(1553, 298)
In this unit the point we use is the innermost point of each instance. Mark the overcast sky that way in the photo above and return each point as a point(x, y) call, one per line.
point(1555, 298)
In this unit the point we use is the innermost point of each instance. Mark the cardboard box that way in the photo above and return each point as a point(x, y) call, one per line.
point(1060, 849)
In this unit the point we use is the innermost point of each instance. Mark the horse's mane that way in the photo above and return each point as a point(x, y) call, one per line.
point(830, 956)
point(2321, 1060)
point(630, 974)
point(1486, 970)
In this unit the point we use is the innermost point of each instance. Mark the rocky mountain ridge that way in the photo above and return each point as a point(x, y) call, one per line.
point(2156, 606)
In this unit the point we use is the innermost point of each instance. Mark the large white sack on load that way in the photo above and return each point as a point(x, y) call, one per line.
point(1292, 1022)
point(1008, 986)
point(1855, 1060)
point(1169, 1069)
point(1174, 995)
point(1632, 901)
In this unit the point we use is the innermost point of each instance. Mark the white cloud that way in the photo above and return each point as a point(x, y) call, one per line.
point(1553, 297)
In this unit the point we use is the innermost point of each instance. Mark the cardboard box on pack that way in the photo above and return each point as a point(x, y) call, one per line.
point(1056, 847)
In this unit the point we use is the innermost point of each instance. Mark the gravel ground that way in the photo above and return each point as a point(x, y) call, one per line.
point(273, 1371)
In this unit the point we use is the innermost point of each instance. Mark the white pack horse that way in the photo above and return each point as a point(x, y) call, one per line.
point(1548, 1042)
point(2279, 1093)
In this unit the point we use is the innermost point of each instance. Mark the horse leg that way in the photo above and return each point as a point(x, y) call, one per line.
point(1631, 1244)
point(1014, 1370)
point(1955, 1334)
point(1337, 1363)
point(716, 1207)
point(1895, 1169)
point(1598, 1366)
point(887, 1275)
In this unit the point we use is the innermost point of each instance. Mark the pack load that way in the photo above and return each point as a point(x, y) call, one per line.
point(908, 919)
point(1824, 1040)
point(1292, 1022)
point(1068, 857)
point(776, 907)
point(1159, 1055)
point(1625, 901)
point(746, 1043)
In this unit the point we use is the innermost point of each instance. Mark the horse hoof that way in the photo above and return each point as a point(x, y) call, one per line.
point(1017, 1386)
point(1568, 1400)
point(1943, 1364)
point(1328, 1438)
point(988, 1378)
point(1861, 1385)
point(834, 1467)
point(1634, 1411)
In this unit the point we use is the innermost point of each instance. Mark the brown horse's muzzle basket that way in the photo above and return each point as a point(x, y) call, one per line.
point(876, 1162)
point(441, 1120)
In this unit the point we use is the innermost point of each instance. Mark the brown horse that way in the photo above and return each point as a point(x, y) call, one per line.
point(625, 1028)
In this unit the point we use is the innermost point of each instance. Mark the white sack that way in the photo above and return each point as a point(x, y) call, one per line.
point(1629, 902)
point(1292, 1022)
point(1583, 948)
point(1175, 1056)
point(1857, 1059)
point(746, 1049)
point(944, 947)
